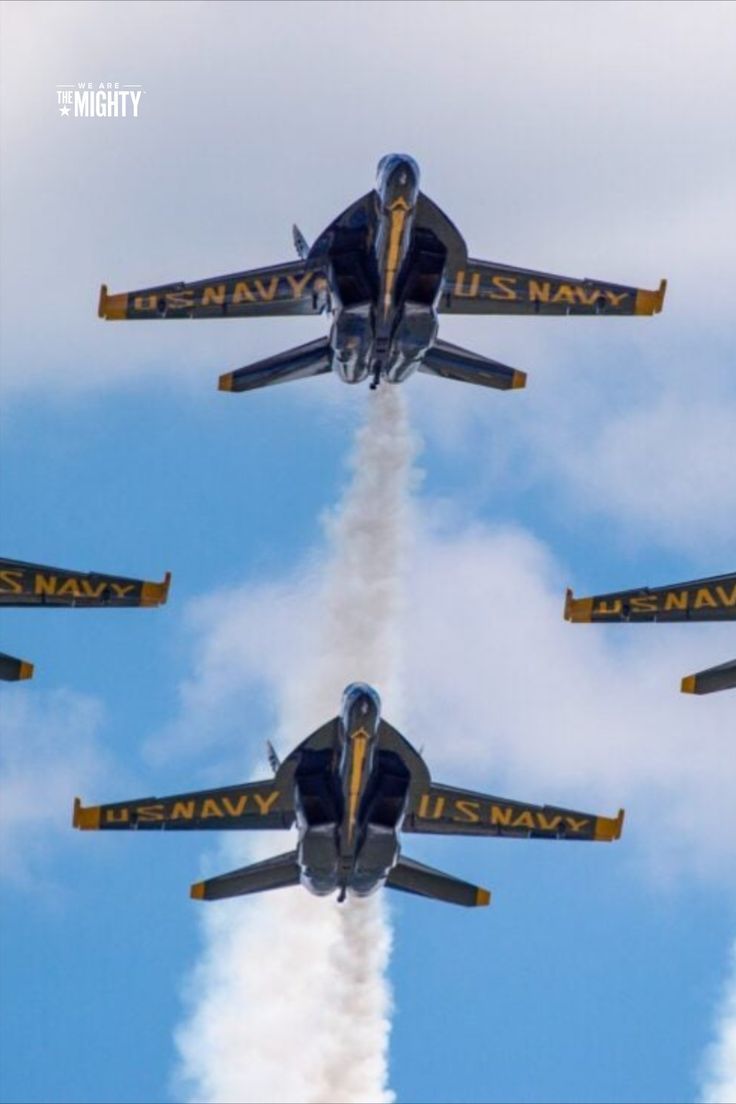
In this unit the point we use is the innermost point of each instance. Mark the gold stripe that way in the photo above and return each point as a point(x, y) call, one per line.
point(25, 671)
point(197, 891)
point(482, 897)
point(518, 380)
point(225, 383)
point(359, 740)
point(398, 211)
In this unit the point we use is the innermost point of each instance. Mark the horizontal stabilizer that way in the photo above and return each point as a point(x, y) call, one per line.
point(13, 670)
point(311, 359)
point(282, 870)
point(414, 877)
point(452, 362)
point(709, 681)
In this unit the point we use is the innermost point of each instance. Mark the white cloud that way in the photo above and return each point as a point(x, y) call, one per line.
point(49, 754)
point(719, 1074)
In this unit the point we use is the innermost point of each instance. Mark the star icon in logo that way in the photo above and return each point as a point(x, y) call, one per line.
point(65, 110)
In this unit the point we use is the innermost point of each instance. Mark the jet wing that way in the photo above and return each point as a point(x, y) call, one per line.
point(712, 599)
point(484, 287)
point(276, 873)
point(13, 670)
point(294, 288)
point(29, 584)
point(414, 877)
point(254, 805)
point(712, 679)
point(442, 810)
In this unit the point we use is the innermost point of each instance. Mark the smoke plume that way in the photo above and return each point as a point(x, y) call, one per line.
point(720, 1060)
point(290, 1001)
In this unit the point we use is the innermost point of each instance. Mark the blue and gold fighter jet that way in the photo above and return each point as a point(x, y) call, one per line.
point(351, 789)
point(385, 269)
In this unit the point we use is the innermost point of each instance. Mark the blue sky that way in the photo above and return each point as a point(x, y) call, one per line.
point(580, 138)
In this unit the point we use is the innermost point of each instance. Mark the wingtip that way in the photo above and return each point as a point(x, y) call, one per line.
point(85, 818)
point(25, 670)
point(196, 891)
point(156, 594)
point(518, 380)
point(225, 383)
point(608, 829)
point(482, 897)
point(577, 609)
point(111, 307)
point(689, 684)
point(650, 302)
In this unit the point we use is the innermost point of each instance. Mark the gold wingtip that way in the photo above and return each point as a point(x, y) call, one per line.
point(482, 897)
point(609, 828)
point(518, 380)
point(225, 383)
point(85, 819)
point(156, 594)
point(650, 302)
point(197, 891)
point(577, 609)
point(111, 306)
point(25, 670)
point(688, 685)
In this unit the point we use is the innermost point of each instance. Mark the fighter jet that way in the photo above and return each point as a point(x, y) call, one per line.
point(712, 599)
point(350, 788)
point(30, 584)
point(384, 269)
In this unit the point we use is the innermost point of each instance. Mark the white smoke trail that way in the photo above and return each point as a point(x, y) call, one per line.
point(290, 1001)
point(720, 1061)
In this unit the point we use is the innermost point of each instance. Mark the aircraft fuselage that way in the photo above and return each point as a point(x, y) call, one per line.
point(385, 282)
point(350, 802)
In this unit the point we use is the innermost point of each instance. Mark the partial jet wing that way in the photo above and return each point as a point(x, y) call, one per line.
point(276, 873)
point(414, 877)
point(712, 679)
point(30, 584)
point(442, 810)
point(484, 287)
point(294, 288)
point(312, 359)
point(711, 599)
point(253, 805)
point(453, 362)
point(13, 670)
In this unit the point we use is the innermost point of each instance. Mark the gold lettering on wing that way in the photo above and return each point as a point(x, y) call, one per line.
point(11, 582)
point(704, 598)
point(235, 808)
point(145, 303)
point(242, 293)
point(505, 285)
point(427, 812)
point(472, 289)
point(267, 293)
point(214, 294)
point(182, 810)
point(726, 598)
point(539, 291)
point(469, 811)
point(674, 600)
point(298, 284)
